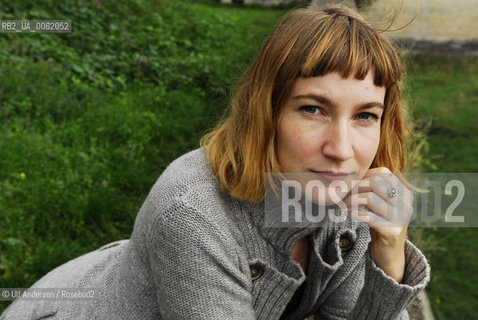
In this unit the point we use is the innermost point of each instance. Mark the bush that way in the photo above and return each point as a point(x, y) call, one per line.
point(89, 119)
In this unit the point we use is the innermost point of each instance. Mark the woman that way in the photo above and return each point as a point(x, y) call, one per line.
point(322, 99)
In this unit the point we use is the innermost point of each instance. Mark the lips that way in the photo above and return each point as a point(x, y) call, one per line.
point(332, 176)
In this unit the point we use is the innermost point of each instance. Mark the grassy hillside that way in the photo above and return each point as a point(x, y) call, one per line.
point(91, 118)
point(443, 91)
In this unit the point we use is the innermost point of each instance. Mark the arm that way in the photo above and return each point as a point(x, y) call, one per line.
point(195, 267)
point(380, 296)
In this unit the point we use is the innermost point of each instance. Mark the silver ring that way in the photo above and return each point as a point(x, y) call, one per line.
point(392, 192)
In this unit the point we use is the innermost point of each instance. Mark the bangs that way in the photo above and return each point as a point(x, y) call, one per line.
point(349, 47)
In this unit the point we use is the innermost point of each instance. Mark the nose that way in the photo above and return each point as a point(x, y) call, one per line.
point(338, 141)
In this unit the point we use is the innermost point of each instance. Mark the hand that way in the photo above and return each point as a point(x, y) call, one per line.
point(388, 217)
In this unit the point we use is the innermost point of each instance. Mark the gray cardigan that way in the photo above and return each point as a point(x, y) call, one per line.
point(198, 253)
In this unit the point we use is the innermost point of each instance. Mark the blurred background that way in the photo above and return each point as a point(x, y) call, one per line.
point(89, 119)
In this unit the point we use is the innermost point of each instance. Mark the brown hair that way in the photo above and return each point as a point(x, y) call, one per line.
point(306, 43)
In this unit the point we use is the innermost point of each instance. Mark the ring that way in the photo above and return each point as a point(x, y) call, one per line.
point(392, 192)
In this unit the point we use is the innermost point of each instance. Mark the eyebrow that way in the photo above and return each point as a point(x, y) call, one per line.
point(326, 101)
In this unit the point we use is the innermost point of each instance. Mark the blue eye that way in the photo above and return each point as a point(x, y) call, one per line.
point(368, 116)
point(315, 110)
point(310, 109)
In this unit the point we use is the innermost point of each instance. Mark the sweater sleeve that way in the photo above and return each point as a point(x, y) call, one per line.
point(381, 297)
point(196, 267)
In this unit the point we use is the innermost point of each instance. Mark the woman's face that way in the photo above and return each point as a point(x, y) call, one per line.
point(329, 129)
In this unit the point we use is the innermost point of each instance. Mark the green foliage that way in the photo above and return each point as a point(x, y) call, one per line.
point(114, 45)
point(443, 92)
point(89, 119)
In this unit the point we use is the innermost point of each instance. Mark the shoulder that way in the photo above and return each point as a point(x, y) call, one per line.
point(188, 172)
point(189, 180)
point(187, 192)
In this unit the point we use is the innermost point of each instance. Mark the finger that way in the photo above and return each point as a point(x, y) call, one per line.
point(373, 220)
point(372, 202)
point(377, 205)
point(387, 175)
point(386, 186)
point(380, 186)
point(378, 171)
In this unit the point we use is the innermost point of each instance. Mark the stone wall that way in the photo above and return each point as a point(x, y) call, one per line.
point(435, 20)
point(265, 2)
point(429, 20)
point(348, 3)
point(428, 26)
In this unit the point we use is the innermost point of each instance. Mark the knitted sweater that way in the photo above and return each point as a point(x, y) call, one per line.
point(198, 253)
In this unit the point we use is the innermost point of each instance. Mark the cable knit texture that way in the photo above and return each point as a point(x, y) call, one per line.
point(198, 253)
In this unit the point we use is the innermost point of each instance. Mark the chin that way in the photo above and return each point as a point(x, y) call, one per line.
point(326, 196)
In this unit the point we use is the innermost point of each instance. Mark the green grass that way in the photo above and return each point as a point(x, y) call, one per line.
point(444, 91)
point(88, 121)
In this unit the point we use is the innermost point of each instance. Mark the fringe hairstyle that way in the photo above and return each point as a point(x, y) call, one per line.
point(306, 43)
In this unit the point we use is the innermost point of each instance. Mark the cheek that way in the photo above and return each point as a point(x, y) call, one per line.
point(369, 146)
point(296, 140)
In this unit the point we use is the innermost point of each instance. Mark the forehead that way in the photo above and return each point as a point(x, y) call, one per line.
point(334, 86)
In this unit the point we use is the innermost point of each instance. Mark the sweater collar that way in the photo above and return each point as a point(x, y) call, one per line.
point(284, 229)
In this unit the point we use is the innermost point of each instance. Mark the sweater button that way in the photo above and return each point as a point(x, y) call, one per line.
point(345, 243)
point(256, 272)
